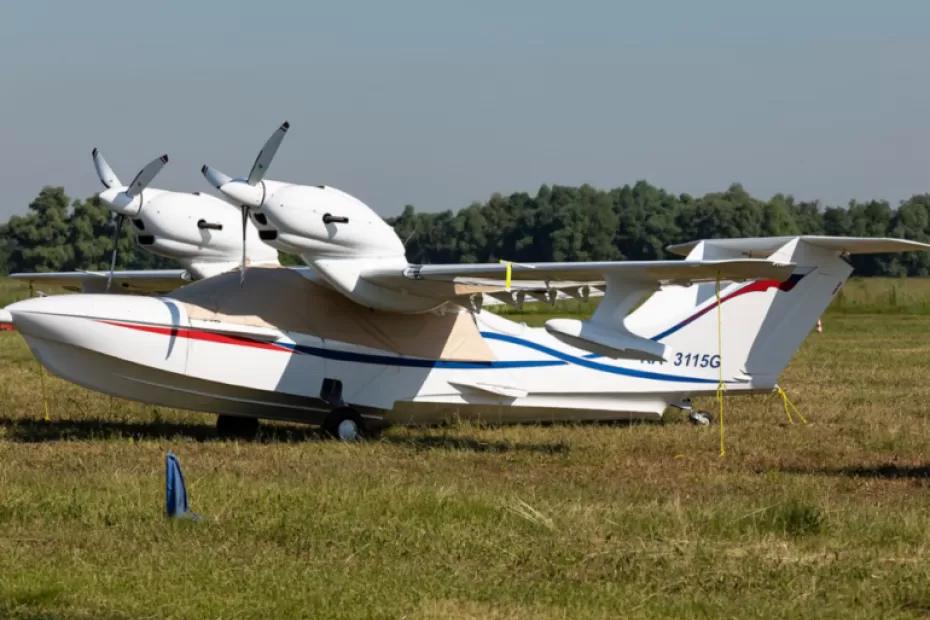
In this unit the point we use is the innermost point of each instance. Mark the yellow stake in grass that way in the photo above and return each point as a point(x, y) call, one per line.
point(508, 273)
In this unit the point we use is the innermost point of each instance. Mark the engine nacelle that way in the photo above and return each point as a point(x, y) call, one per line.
point(200, 231)
point(324, 222)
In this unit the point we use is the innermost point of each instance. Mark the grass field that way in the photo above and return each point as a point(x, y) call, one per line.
point(829, 519)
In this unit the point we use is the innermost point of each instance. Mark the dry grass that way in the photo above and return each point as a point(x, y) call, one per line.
point(830, 519)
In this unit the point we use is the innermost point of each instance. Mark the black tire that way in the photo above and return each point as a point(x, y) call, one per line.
point(236, 426)
point(332, 423)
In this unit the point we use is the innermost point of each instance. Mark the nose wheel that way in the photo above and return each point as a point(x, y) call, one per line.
point(344, 424)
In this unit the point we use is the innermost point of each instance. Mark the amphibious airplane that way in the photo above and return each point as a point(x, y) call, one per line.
point(361, 338)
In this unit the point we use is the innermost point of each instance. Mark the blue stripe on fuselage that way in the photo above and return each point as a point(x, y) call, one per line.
point(589, 363)
point(561, 359)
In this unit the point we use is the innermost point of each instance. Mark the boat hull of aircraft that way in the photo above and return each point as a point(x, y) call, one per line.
point(222, 370)
point(153, 385)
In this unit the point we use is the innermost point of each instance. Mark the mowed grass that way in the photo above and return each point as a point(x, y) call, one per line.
point(829, 519)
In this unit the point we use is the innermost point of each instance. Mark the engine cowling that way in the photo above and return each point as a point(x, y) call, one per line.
point(324, 222)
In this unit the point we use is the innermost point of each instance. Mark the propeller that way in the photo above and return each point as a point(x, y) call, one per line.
point(245, 222)
point(104, 172)
point(123, 200)
point(145, 176)
point(216, 178)
point(260, 167)
point(116, 233)
point(248, 192)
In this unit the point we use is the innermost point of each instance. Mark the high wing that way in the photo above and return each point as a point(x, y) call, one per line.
point(512, 283)
point(662, 271)
point(145, 281)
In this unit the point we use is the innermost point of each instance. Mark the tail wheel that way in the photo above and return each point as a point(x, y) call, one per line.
point(701, 418)
point(344, 424)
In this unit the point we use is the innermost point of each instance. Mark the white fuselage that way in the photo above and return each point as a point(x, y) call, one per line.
point(161, 351)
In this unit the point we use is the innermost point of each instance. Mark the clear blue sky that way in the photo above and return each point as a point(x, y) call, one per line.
point(439, 103)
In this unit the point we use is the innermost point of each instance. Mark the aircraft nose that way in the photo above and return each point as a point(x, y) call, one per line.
point(33, 304)
point(59, 328)
point(36, 316)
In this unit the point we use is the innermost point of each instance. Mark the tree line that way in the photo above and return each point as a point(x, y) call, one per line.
point(559, 223)
point(638, 221)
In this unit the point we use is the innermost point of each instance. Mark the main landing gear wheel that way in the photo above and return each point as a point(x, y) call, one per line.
point(701, 418)
point(344, 424)
point(236, 426)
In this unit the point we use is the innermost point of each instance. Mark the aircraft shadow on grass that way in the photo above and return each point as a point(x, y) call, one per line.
point(470, 444)
point(884, 471)
point(37, 431)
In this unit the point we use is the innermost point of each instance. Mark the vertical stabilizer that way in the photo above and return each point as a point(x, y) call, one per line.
point(763, 321)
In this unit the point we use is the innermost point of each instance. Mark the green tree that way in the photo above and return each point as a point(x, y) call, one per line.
point(912, 221)
point(90, 230)
point(39, 240)
point(778, 217)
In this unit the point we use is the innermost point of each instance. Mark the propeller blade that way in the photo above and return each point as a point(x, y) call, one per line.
point(104, 172)
point(245, 221)
point(260, 167)
point(116, 233)
point(146, 175)
point(216, 178)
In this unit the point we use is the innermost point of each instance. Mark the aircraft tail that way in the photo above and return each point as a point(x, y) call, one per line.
point(763, 322)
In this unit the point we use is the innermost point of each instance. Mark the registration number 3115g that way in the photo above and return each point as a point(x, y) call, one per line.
point(697, 360)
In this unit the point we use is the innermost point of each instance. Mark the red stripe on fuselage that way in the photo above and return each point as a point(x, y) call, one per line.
point(206, 336)
point(757, 286)
point(753, 287)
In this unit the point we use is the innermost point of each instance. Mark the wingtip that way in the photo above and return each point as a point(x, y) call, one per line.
point(285, 125)
point(164, 158)
point(93, 153)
